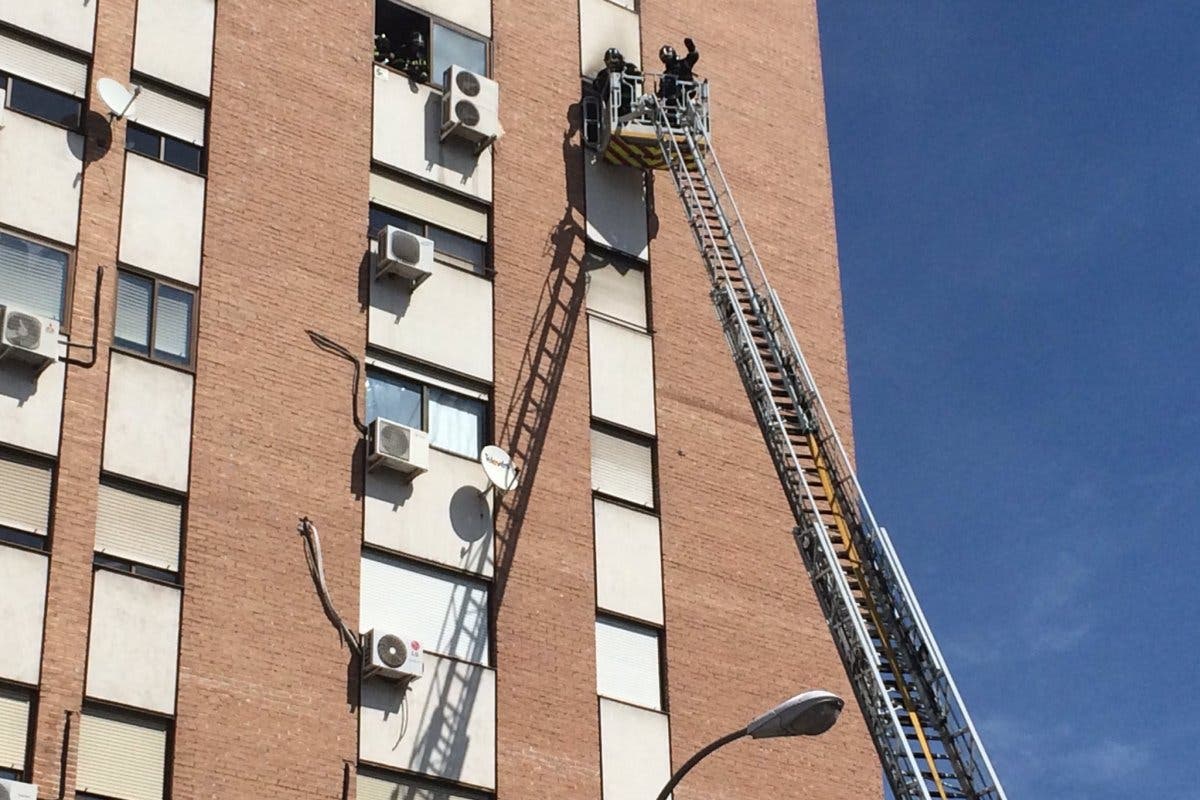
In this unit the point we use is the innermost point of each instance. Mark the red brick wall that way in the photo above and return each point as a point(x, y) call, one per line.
point(263, 708)
point(68, 599)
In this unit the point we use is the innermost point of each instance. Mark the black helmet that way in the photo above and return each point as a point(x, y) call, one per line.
point(613, 55)
point(666, 53)
point(416, 38)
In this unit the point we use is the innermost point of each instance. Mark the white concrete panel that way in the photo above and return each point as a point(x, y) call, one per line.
point(635, 751)
point(445, 725)
point(440, 516)
point(604, 24)
point(31, 405)
point(622, 374)
point(148, 429)
point(407, 118)
point(628, 562)
point(174, 42)
point(72, 22)
point(134, 642)
point(616, 207)
point(408, 197)
point(616, 289)
point(42, 169)
point(474, 15)
point(23, 609)
point(447, 320)
point(162, 219)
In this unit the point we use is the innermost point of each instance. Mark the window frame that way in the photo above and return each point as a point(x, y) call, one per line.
point(6, 83)
point(629, 434)
point(163, 138)
point(64, 324)
point(399, 374)
point(660, 637)
point(155, 282)
point(32, 695)
point(483, 270)
point(435, 81)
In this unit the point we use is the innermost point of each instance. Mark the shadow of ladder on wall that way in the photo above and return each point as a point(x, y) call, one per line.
point(922, 732)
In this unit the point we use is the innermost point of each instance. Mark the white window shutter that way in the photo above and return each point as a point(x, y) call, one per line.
point(121, 755)
point(170, 115)
point(14, 727)
point(379, 787)
point(139, 527)
point(622, 467)
point(24, 59)
point(446, 613)
point(24, 494)
point(616, 290)
point(406, 198)
point(627, 663)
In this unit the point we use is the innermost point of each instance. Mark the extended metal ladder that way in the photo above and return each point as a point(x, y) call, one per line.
point(926, 741)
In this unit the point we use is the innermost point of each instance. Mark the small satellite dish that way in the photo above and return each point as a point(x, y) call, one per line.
point(114, 95)
point(499, 468)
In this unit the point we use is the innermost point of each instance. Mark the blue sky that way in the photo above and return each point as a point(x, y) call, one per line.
point(1017, 189)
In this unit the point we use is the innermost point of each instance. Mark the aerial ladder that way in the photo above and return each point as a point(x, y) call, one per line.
point(927, 744)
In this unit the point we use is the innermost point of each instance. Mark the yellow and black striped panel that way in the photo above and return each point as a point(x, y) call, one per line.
point(639, 151)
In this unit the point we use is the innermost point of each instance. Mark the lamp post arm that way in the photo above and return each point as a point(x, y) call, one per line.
point(701, 754)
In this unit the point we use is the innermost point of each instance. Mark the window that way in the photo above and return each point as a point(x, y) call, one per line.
point(138, 530)
point(449, 247)
point(33, 276)
point(121, 753)
point(25, 485)
point(454, 421)
point(422, 47)
point(623, 466)
point(166, 149)
point(38, 101)
point(154, 318)
point(15, 707)
point(628, 665)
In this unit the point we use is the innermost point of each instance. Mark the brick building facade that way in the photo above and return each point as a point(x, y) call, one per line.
point(635, 596)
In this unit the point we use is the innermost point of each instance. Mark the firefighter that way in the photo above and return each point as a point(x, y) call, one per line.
point(677, 72)
point(615, 67)
point(413, 57)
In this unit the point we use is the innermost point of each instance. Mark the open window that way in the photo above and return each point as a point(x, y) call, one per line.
point(424, 47)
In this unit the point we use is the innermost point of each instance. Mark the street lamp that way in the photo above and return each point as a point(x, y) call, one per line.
point(808, 714)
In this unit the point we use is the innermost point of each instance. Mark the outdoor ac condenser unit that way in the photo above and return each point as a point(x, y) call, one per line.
point(15, 790)
point(397, 447)
point(391, 655)
point(27, 338)
point(403, 255)
point(471, 108)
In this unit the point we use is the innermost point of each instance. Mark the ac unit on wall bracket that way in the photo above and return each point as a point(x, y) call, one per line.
point(392, 656)
point(471, 108)
point(27, 338)
point(15, 790)
point(397, 447)
point(403, 255)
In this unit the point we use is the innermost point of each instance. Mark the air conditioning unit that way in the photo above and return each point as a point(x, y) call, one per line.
point(403, 255)
point(398, 447)
point(27, 338)
point(392, 656)
point(471, 108)
point(15, 790)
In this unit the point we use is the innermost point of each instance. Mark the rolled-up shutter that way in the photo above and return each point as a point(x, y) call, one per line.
point(623, 467)
point(170, 115)
point(616, 290)
point(121, 755)
point(14, 727)
point(24, 59)
point(380, 787)
point(446, 613)
point(627, 663)
point(453, 215)
point(138, 526)
point(24, 494)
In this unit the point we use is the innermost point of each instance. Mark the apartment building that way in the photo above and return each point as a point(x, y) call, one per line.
point(208, 336)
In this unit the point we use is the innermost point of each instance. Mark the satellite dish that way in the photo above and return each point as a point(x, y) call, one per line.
point(499, 468)
point(114, 95)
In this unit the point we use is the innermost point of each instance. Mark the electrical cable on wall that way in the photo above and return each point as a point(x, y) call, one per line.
point(316, 568)
point(330, 346)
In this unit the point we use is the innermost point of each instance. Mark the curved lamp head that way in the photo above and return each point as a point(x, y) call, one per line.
point(808, 714)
